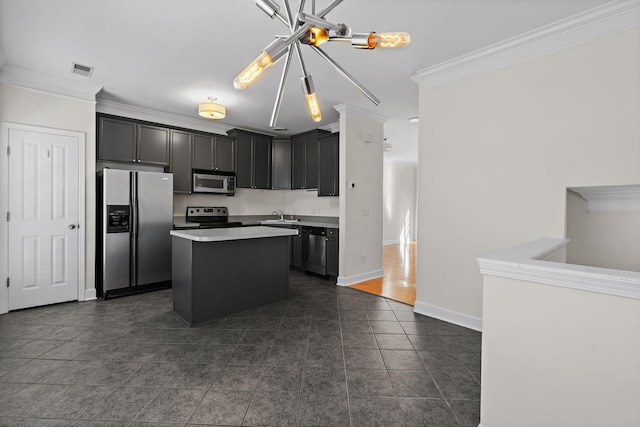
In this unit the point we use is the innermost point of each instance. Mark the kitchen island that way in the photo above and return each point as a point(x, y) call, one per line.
point(223, 271)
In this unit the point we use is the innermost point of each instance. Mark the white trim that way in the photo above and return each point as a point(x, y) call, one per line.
point(450, 316)
point(352, 280)
point(390, 242)
point(525, 262)
point(610, 18)
point(80, 88)
point(352, 110)
point(4, 226)
point(4, 204)
point(204, 125)
point(611, 199)
point(89, 294)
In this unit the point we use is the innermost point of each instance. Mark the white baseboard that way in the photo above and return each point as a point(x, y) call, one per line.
point(390, 242)
point(352, 280)
point(90, 294)
point(450, 316)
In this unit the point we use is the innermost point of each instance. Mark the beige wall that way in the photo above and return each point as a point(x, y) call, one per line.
point(399, 202)
point(554, 356)
point(18, 105)
point(497, 152)
point(361, 136)
point(605, 239)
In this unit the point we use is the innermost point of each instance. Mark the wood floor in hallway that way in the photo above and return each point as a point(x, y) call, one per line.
point(399, 281)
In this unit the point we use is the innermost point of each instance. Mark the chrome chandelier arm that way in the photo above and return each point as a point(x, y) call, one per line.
point(279, 95)
point(346, 75)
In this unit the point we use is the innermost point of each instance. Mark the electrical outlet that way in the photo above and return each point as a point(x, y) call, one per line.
point(365, 211)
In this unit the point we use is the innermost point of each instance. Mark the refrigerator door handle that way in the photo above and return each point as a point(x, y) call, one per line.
point(133, 271)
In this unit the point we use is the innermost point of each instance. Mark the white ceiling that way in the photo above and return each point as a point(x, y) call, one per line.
point(169, 55)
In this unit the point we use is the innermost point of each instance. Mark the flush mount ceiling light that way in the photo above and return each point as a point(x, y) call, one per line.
point(312, 30)
point(210, 110)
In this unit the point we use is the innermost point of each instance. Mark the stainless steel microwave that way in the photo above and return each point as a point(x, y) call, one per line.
point(214, 182)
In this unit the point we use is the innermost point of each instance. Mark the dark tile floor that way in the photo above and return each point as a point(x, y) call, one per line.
point(328, 356)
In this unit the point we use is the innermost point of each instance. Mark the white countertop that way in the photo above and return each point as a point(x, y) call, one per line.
point(236, 233)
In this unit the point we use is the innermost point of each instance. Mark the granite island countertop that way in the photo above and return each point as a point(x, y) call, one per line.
point(234, 233)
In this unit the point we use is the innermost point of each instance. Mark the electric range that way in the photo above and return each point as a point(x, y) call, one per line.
point(198, 217)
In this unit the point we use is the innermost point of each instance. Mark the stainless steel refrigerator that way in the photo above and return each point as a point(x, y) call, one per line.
point(134, 218)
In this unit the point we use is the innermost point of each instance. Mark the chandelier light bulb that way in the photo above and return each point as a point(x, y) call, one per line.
point(314, 107)
point(317, 36)
point(390, 40)
point(254, 70)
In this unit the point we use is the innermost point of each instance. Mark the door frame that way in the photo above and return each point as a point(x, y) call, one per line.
point(5, 127)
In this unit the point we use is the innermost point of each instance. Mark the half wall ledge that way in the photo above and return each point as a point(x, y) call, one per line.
point(528, 262)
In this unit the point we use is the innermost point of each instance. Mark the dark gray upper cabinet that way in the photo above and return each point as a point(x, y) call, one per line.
point(181, 161)
point(224, 154)
point(329, 165)
point(121, 140)
point(304, 160)
point(153, 145)
point(253, 165)
point(116, 140)
point(213, 152)
point(281, 164)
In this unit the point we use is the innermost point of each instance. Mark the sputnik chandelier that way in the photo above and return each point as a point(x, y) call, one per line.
point(311, 29)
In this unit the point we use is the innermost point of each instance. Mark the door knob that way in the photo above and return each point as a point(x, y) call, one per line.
point(72, 227)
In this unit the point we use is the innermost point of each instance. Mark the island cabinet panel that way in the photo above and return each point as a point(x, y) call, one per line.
point(253, 160)
point(181, 161)
point(304, 160)
point(329, 165)
point(211, 280)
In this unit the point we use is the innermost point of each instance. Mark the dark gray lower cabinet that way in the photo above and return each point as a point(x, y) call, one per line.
point(332, 252)
point(296, 249)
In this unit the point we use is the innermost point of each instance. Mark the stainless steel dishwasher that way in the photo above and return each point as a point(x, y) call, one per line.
point(314, 249)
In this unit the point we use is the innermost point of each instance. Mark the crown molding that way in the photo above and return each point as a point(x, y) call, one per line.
point(352, 110)
point(611, 199)
point(85, 90)
point(610, 18)
point(118, 109)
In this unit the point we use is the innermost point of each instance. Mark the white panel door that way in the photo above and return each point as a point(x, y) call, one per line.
point(43, 227)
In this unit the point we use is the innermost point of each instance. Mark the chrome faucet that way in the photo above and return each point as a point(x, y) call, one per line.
point(278, 213)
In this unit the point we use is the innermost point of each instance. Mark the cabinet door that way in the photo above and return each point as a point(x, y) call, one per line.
point(296, 249)
point(116, 140)
point(328, 165)
point(332, 252)
point(281, 164)
point(261, 162)
point(224, 154)
point(203, 151)
point(153, 145)
point(181, 161)
point(311, 161)
point(244, 173)
point(297, 162)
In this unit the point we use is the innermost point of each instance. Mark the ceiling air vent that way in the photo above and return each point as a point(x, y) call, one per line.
point(82, 70)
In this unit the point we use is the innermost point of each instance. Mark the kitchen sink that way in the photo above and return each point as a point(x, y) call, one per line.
point(279, 221)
